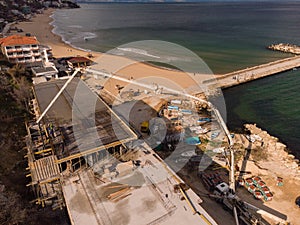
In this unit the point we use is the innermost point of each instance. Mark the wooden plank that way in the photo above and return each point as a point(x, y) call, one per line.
point(44, 169)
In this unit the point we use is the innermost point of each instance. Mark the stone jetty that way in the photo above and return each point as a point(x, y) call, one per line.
point(285, 47)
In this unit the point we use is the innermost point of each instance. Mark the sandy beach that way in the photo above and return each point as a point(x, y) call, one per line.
point(40, 27)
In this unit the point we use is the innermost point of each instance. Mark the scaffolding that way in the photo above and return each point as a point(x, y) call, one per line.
point(52, 147)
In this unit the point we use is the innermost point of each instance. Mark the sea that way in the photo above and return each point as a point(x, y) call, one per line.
point(227, 36)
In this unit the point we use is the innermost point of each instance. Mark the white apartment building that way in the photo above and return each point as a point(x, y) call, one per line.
point(21, 49)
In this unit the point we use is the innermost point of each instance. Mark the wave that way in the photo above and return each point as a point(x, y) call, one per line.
point(55, 31)
point(75, 26)
point(138, 51)
point(174, 58)
point(83, 36)
point(89, 35)
point(54, 16)
point(65, 37)
point(165, 58)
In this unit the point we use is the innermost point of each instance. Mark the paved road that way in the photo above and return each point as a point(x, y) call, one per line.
point(6, 28)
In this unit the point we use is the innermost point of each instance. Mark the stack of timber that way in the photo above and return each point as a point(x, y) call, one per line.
point(121, 191)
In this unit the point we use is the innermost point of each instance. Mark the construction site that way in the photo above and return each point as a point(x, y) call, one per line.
point(52, 145)
point(114, 179)
point(137, 162)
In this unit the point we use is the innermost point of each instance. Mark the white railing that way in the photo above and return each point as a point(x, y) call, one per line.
point(26, 48)
point(13, 56)
point(10, 50)
point(27, 54)
point(34, 47)
point(20, 55)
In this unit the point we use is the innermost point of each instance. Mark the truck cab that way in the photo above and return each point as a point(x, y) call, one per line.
point(223, 189)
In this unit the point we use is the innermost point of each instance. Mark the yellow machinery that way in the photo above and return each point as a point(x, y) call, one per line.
point(145, 127)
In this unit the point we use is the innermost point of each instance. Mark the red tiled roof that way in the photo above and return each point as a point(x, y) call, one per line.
point(79, 59)
point(18, 40)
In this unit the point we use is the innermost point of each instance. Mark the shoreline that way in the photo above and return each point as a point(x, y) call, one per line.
point(61, 48)
point(289, 150)
point(46, 36)
point(268, 158)
point(54, 27)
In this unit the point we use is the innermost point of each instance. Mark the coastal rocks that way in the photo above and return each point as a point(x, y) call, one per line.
point(269, 159)
point(291, 165)
point(288, 48)
point(263, 134)
point(291, 157)
point(280, 146)
point(276, 151)
point(253, 129)
point(26, 10)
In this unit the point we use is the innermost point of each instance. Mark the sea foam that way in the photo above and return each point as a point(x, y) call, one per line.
point(138, 51)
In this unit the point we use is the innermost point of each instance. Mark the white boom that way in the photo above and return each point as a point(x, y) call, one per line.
point(57, 95)
point(215, 110)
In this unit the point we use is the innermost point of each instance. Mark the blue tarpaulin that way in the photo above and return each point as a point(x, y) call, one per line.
point(171, 107)
point(204, 120)
point(186, 111)
point(193, 141)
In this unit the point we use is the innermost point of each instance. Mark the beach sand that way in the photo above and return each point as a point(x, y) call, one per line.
point(40, 27)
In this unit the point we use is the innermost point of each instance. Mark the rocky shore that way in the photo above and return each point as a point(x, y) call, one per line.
point(268, 158)
point(12, 11)
point(276, 152)
point(288, 48)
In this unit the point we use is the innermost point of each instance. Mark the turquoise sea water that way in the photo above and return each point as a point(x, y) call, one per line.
point(273, 103)
point(227, 36)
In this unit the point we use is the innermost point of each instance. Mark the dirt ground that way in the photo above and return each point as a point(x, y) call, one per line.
point(270, 163)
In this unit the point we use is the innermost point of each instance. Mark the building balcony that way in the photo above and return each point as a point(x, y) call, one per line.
point(21, 61)
point(13, 56)
point(38, 59)
point(18, 49)
point(35, 47)
point(36, 53)
point(20, 55)
point(26, 48)
point(10, 50)
point(29, 60)
point(27, 54)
